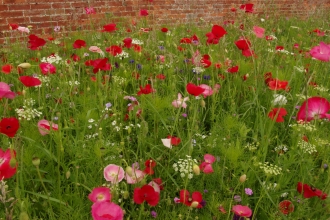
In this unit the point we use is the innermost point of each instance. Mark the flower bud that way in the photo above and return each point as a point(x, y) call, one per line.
point(36, 161)
point(194, 204)
point(202, 103)
point(126, 194)
point(23, 216)
point(196, 169)
point(68, 174)
point(129, 130)
point(242, 179)
point(129, 171)
point(12, 162)
point(24, 65)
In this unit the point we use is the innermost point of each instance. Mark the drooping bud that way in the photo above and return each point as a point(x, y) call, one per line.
point(126, 194)
point(202, 103)
point(24, 65)
point(68, 174)
point(194, 204)
point(129, 171)
point(36, 161)
point(242, 179)
point(196, 169)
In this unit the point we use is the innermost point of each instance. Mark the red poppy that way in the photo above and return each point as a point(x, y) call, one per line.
point(279, 48)
point(99, 64)
point(29, 81)
point(150, 164)
point(174, 140)
point(194, 90)
point(286, 207)
point(9, 126)
point(144, 12)
point(277, 114)
point(75, 57)
point(248, 53)
point(128, 42)
point(6, 170)
point(233, 69)
point(109, 28)
point(13, 26)
point(309, 191)
point(247, 7)
point(114, 50)
point(161, 76)
point(79, 44)
point(268, 77)
point(216, 33)
point(243, 44)
point(164, 30)
point(269, 38)
point(146, 193)
point(137, 48)
point(194, 201)
point(185, 40)
point(276, 84)
point(6, 69)
point(35, 42)
point(146, 90)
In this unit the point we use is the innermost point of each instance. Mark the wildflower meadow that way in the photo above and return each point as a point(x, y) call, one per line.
point(137, 120)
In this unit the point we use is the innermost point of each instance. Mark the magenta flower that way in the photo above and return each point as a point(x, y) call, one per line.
point(208, 90)
point(321, 52)
point(44, 127)
point(314, 108)
point(5, 91)
point(135, 177)
point(243, 211)
point(107, 210)
point(6, 170)
point(47, 68)
point(100, 194)
point(248, 191)
point(206, 165)
point(114, 173)
point(259, 31)
point(180, 102)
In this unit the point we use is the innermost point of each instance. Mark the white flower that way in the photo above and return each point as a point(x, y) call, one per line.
point(279, 99)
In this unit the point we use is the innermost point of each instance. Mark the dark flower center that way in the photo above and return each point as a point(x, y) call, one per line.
point(8, 127)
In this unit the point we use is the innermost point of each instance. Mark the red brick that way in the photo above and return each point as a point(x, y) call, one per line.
point(11, 14)
point(40, 6)
point(40, 19)
point(3, 7)
point(14, 1)
point(19, 7)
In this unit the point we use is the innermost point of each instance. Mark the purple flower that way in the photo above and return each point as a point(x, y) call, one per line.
point(248, 191)
point(237, 198)
point(108, 105)
point(325, 166)
point(153, 214)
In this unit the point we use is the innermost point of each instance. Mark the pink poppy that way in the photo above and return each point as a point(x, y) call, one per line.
point(180, 102)
point(95, 49)
point(313, 108)
point(208, 90)
point(243, 211)
point(90, 10)
point(321, 52)
point(47, 68)
point(135, 177)
point(114, 173)
point(5, 91)
point(206, 165)
point(259, 31)
point(23, 29)
point(107, 210)
point(6, 171)
point(167, 142)
point(155, 186)
point(100, 194)
point(44, 127)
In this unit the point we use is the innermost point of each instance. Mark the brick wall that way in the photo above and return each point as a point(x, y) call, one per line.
point(45, 15)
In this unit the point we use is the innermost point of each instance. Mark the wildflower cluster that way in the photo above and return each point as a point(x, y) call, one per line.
point(185, 167)
point(307, 147)
point(53, 58)
point(252, 146)
point(27, 111)
point(270, 168)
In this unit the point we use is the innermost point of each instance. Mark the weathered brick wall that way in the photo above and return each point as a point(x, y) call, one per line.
point(45, 15)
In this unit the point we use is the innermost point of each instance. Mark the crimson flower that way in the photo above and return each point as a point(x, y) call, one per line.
point(75, 57)
point(6, 171)
point(174, 140)
point(79, 44)
point(128, 42)
point(276, 84)
point(286, 207)
point(9, 126)
point(164, 30)
point(159, 182)
point(146, 90)
point(268, 77)
point(312, 108)
point(144, 12)
point(35, 42)
point(109, 28)
point(233, 69)
point(114, 50)
point(243, 44)
point(247, 7)
point(195, 200)
point(150, 164)
point(29, 81)
point(13, 26)
point(146, 193)
point(194, 90)
point(216, 33)
point(277, 114)
point(6, 69)
point(309, 191)
point(47, 68)
point(161, 76)
point(99, 64)
point(185, 40)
